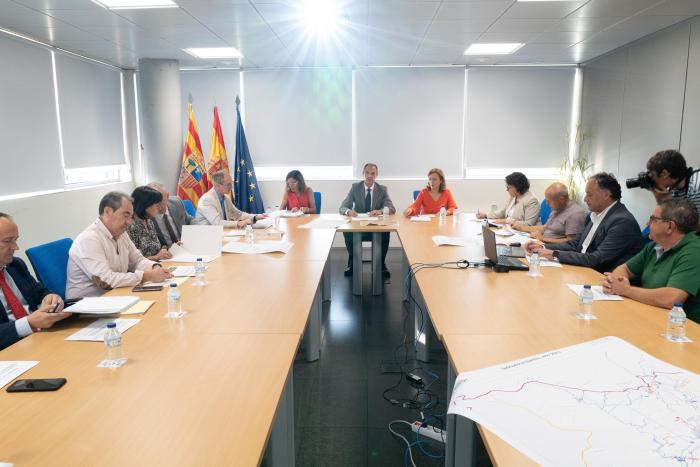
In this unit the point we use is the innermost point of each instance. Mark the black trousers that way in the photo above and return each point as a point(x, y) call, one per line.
point(366, 237)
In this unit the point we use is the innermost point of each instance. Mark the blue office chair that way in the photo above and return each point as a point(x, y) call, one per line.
point(415, 194)
point(50, 262)
point(317, 200)
point(545, 211)
point(189, 207)
point(645, 235)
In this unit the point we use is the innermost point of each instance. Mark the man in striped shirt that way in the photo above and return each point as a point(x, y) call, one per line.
point(672, 178)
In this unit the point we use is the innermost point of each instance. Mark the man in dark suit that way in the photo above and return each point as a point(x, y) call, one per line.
point(367, 197)
point(25, 305)
point(610, 235)
point(172, 216)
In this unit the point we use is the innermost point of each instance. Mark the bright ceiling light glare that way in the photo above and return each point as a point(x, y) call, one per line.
point(320, 17)
point(136, 4)
point(504, 48)
point(214, 52)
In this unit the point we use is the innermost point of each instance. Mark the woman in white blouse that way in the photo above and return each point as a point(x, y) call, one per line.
point(521, 207)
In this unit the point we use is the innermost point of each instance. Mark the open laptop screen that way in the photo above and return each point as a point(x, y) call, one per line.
point(489, 243)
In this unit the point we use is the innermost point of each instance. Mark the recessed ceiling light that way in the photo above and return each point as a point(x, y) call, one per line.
point(504, 48)
point(214, 52)
point(136, 4)
point(319, 16)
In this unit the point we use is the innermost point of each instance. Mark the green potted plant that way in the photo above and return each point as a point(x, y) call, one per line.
point(575, 166)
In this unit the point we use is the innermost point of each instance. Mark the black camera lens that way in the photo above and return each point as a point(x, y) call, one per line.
point(643, 180)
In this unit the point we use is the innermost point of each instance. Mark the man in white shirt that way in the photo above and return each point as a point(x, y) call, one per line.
point(103, 257)
point(215, 208)
point(610, 235)
point(25, 304)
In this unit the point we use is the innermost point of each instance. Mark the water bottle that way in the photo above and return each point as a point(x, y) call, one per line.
point(534, 270)
point(586, 303)
point(494, 208)
point(443, 214)
point(199, 271)
point(455, 217)
point(173, 301)
point(675, 327)
point(113, 342)
point(249, 234)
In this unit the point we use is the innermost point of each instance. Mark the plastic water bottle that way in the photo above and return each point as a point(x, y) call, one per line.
point(534, 270)
point(586, 303)
point(173, 301)
point(443, 214)
point(249, 234)
point(494, 208)
point(675, 327)
point(455, 217)
point(113, 342)
point(199, 272)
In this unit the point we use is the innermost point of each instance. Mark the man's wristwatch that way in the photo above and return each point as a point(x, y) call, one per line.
point(156, 264)
point(555, 254)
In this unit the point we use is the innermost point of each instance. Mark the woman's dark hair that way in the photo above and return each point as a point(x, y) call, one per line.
point(519, 181)
point(144, 197)
point(296, 175)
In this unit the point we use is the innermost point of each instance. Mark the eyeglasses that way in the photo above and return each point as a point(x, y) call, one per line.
point(658, 219)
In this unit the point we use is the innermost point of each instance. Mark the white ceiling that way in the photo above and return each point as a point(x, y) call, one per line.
point(373, 32)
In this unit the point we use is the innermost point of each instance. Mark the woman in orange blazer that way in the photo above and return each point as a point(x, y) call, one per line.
point(433, 197)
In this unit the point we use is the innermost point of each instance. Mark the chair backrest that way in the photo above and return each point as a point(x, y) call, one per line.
point(545, 211)
point(189, 207)
point(50, 262)
point(415, 194)
point(645, 235)
point(317, 200)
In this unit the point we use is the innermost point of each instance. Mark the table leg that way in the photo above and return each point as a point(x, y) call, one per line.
point(312, 333)
point(421, 327)
point(326, 281)
point(460, 441)
point(357, 264)
point(377, 279)
point(280, 448)
point(404, 272)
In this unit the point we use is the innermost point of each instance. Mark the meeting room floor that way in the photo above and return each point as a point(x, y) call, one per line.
point(340, 415)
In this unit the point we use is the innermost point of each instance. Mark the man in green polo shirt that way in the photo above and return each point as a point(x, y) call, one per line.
point(669, 267)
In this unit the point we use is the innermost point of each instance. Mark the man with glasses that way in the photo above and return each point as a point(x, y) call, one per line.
point(668, 269)
point(216, 208)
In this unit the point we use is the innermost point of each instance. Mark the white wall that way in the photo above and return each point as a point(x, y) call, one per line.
point(638, 100)
point(49, 217)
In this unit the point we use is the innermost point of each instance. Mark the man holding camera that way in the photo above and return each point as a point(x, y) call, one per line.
point(668, 176)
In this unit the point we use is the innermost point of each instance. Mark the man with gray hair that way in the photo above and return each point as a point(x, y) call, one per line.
point(171, 217)
point(103, 257)
point(667, 269)
point(564, 223)
point(215, 208)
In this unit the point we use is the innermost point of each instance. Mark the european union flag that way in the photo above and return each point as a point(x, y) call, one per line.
point(245, 183)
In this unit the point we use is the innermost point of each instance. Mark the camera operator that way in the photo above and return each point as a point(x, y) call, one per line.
point(668, 176)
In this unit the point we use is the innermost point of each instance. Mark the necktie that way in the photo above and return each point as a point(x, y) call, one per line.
point(368, 200)
point(171, 229)
point(223, 209)
point(12, 301)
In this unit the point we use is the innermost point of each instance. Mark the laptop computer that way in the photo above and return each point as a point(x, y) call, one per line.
point(492, 252)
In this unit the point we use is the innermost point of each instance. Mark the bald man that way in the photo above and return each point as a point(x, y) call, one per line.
point(564, 223)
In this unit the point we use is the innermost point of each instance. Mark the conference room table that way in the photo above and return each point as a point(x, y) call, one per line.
point(215, 386)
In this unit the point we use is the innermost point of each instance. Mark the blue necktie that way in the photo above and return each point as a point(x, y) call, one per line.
point(368, 200)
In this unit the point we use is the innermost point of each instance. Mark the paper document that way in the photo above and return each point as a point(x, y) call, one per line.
point(441, 240)
point(10, 370)
point(264, 223)
point(292, 214)
point(545, 263)
point(96, 330)
point(139, 308)
point(503, 232)
point(102, 305)
point(321, 223)
point(178, 280)
point(258, 247)
point(598, 293)
point(181, 255)
point(183, 271)
point(235, 233)
point(515, 238)
point(600, 403)
point(420, 219)
point(364, 218)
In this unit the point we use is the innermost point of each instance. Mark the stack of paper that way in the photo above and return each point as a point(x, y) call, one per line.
point(292, 214)
point(181, 255)
point(140, 308)
point(166, 283)
point(10, 370)
point(454, 241)
point(102, 305)
point(258, 247)
point(264, 223)
point(234, 233)
point(598, 293)
point(96, 330)
point(420, 219)
point(513, 238)
point(183, 271)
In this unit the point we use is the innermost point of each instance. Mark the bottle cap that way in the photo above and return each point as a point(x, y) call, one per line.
point(199, 259)
point(678, 305)
point(587, 286)
point(173, 284)
point(112, 325)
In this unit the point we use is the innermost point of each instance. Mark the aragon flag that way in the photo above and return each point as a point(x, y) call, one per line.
point(193, 181)
point(217, 156)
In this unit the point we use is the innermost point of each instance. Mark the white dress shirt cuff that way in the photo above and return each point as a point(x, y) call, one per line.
point(23, 328)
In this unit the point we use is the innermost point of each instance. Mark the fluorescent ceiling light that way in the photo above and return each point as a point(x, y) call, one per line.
point(214, 52)
point(504, 48)
point(136, 4)
point(319, 16)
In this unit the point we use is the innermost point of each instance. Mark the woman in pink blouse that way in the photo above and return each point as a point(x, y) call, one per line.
point(297, 196)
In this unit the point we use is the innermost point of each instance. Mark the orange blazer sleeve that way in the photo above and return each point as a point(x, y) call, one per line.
point(451, 205)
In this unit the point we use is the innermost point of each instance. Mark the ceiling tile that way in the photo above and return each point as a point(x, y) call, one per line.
point(472, 10)
point(157, 17)
point(408, 28)
point(88, 17)
point(58, 4)
point(495, 37)
point(399, 9)
point(542, 10)
point(229, 12)
point(561, 37)
point(431, 55)
point(586, 24)
point(610, 8)
point(675, 7)
point(61, 32)
point(531, 26)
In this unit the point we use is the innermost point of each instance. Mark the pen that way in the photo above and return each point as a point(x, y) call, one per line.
point(55, 308)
